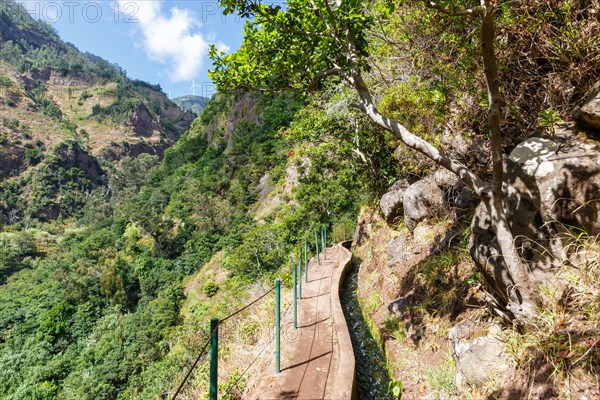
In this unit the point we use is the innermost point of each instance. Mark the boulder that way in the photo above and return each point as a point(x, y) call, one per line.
point(445, 179)
point(552, 184)
point(391, 202)
point(422, 199)
point(588, 115)
point(419, 200)
point(478, 352)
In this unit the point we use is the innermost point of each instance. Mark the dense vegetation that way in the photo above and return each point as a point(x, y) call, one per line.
point(300, 47)
point(32, 45)
point(101, 299)
point(94, 261)
point(67, 118)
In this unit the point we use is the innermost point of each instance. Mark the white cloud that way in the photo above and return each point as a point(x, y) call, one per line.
point(222, 47)
point(171, 39)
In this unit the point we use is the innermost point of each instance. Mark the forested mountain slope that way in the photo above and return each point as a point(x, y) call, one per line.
point(67, 117)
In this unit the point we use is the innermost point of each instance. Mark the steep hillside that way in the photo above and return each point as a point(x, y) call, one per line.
point(480, 280)
point(108, 293)
point(51, 95)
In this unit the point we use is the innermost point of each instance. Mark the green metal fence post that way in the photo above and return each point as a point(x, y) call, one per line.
point(317, 247)
point(344, 231)
point(334, 241)
point(277, 322)
point(214, 357)
point(323, 244)
point(295, 298)
point(352, 233)
point(306, 259)
point(300, 273)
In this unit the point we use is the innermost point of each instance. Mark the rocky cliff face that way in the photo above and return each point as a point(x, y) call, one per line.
point(553, 192)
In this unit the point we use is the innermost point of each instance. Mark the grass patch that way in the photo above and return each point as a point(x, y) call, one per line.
point(5, 81)
point(441, 379)
point(564, 338)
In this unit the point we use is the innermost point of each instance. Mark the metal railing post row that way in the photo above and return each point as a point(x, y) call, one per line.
point(323, 244)
point(334, 240)
point(214, 358)
point(277, 323)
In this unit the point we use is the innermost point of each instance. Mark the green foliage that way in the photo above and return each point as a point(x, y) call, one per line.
point(104, 321)
point(10, 123)
point(46, 52)
point(395, 388)
point(441, 379)
point(51, 109)
point(122, 109)
point(5, 81)
point(33, 156)
point(271, 58)
point(262, 251)
point(548, 119)
point(210, 288)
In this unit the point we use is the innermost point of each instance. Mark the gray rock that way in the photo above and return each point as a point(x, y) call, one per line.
point(479, 354)
point(396, 249)
point(445, 179)
point(588, 115)
point(400, 184)
point(391, 204)
point(422, 199)
point(399, 307)
point(552, 184)
point(419, 200)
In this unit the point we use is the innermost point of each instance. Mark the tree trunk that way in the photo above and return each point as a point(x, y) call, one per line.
point(522, 300)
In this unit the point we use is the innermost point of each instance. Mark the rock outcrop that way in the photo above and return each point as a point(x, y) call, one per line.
point(426, 197)
point(391, 204)
point(553, 184)
point(142, 121)
point(417, 201)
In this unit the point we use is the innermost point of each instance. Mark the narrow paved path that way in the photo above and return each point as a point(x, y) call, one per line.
point(310, 355)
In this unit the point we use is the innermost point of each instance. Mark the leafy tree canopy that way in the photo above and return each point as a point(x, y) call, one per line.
point(296, 47)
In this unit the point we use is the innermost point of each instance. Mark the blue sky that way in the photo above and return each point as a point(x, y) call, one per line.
point(158, 41)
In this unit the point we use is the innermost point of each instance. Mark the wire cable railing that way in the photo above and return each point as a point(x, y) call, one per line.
point(320, 245)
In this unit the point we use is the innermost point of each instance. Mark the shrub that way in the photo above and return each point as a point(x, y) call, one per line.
point(210, 288)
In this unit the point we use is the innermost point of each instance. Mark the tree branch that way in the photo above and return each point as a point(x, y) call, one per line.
point(470, 179)
point(315, 79)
